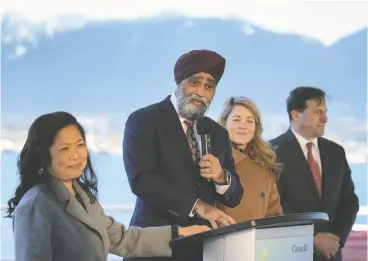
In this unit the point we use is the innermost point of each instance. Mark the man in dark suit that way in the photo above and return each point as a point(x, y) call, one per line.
point(161, 150)
point(316, 176)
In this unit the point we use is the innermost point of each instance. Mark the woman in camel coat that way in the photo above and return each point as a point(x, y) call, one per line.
point(255, 161)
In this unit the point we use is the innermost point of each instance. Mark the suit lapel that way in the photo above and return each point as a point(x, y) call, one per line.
point(326, 163)
point(300, 163)
point(173, 131)
point(75, 209)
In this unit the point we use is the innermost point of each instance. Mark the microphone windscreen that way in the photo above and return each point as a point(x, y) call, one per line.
point(204, 125)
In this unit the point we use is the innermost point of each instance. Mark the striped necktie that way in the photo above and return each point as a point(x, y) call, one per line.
point(193, 144)
point(314, 168)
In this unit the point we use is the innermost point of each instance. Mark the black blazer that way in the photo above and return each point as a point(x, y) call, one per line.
point(298, 192)
point(161, 171)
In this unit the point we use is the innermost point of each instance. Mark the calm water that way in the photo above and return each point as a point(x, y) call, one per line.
point(114, 189)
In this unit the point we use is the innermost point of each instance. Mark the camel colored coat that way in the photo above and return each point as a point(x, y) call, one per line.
point(261, 198)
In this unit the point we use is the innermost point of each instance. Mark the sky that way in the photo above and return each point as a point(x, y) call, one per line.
point(101, 61)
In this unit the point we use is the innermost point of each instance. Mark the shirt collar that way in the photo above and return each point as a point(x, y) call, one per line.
point(303, 141)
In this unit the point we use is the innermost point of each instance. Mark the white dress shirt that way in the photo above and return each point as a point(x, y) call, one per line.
point(315, 150)
point(221, 189)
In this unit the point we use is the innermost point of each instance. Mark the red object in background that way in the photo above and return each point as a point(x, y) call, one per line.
point(355, 248)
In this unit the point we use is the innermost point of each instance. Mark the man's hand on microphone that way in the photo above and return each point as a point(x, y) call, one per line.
point(211, 169)
point(216, 217)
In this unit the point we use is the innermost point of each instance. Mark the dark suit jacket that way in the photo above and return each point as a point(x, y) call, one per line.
point(298, 192)
point(161, 171)
point(51, 225)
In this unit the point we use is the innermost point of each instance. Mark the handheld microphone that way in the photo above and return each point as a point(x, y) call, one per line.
point(204, 128)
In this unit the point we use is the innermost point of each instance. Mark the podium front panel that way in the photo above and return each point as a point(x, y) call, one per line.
point(287, 244)
point(268, 244)
point(235, 246)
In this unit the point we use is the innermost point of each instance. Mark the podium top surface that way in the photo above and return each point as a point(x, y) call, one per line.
point(269, 222)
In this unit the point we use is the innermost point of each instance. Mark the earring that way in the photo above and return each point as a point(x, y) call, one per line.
point(40, 172)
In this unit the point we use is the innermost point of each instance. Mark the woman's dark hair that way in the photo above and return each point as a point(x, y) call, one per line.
point(35, 158)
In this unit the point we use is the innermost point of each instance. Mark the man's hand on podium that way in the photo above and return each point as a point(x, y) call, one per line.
point(216, 217)
point(326, 244)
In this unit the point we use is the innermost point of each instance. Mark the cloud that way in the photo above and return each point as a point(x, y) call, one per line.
point(24, 34)
point(189, 24)
point(321, 21)
point(248, 29)
point(19, 51)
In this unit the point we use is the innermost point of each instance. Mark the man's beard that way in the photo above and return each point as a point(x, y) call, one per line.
point(188, 110)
